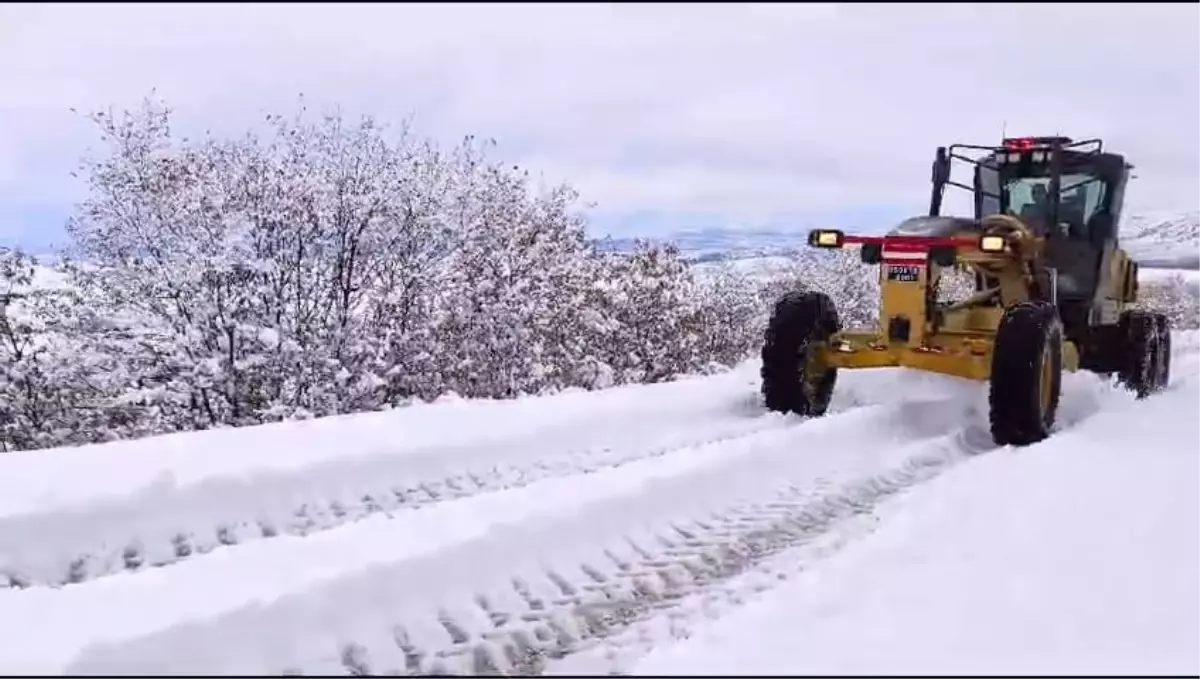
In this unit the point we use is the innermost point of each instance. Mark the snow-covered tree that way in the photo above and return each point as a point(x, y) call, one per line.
point(648, 301)
point(732, 312)
point(322, 266)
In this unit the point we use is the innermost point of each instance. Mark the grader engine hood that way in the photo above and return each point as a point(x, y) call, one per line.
point(935, 227)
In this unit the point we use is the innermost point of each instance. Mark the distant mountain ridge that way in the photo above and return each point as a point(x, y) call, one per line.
point(1163, 240)
point(716, 243)
point(1155, 240)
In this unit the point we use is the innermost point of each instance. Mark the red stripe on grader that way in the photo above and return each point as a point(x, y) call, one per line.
point(898, 246)
point(909, 243)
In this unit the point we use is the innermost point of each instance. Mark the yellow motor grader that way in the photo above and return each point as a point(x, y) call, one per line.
point(1053, 291)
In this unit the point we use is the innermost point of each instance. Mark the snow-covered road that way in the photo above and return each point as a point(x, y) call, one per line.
point(579, 532)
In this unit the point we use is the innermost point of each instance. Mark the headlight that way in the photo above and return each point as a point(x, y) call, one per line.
point(993, 244)
point(825, 238)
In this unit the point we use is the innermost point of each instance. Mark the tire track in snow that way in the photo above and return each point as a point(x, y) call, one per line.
point(548, 594)
point(136, 540)
point(162, 528)
point(545, 588)
point(784, 543)
point(784, 551)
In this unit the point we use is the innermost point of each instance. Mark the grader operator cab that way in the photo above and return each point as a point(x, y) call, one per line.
point(1053, 291)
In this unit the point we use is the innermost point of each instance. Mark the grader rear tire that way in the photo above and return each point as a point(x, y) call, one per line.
point(1164, 350)
point(799, 320)
point(1145, 366)
point(1026, 377)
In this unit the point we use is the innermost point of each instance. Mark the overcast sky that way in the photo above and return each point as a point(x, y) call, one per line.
point(667, 116)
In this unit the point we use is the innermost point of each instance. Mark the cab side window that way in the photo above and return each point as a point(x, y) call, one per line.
point(1082, 200)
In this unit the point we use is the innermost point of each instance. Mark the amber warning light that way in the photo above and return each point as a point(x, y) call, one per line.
point(826, 238)
point(993, 244)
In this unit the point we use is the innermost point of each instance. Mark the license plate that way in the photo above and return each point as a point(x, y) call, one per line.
point(903, 273)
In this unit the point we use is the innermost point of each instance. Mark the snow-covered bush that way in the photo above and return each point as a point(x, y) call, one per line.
point(321, 266)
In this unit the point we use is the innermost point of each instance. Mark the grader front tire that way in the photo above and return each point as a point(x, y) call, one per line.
point(799, 321)
point(1026, 375)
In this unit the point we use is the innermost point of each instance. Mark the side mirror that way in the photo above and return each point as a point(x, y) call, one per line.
point(941, 166)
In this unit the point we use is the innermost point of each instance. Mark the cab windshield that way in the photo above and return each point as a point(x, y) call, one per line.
point(1082, 197)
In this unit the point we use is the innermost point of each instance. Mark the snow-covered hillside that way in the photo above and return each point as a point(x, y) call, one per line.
point(715, 243)
point(1166, 240)
point(596, 531)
